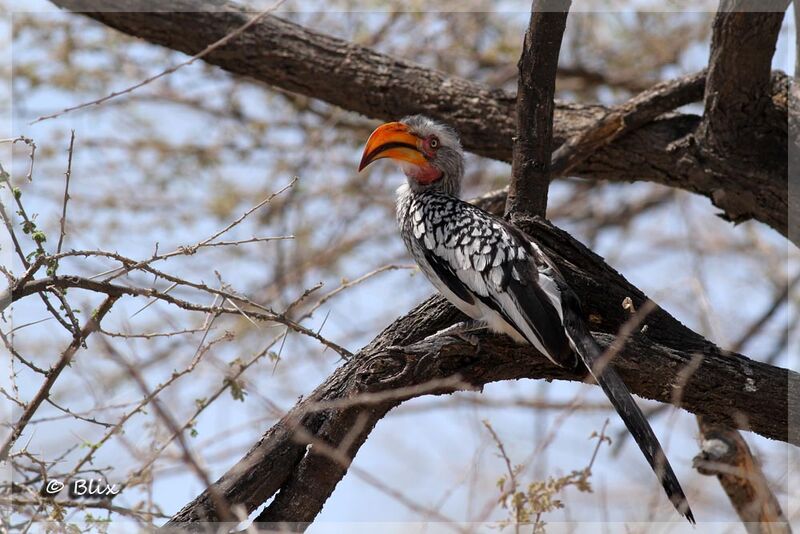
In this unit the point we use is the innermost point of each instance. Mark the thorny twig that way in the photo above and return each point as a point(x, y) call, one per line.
point(189, 459)
point(66, 357)
point(142, 403)
point(187, 250)
point(81, 505)
point(261, 312)
point(38, 237)
point(67, 176)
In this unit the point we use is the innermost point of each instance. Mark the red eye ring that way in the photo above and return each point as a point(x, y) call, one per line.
point(433, 142)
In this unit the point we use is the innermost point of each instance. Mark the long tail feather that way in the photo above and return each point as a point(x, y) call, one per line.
point(619, 395)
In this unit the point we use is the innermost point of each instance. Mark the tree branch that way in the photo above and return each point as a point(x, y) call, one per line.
point(626, 118)
point(538, 64)
point(738, 92)
point(742, 139)
point(355, 78)
point(726, 388)
point(91, 325)
point(725, 454)
point(737, 99)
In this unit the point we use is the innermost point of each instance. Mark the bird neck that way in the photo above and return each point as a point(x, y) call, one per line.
point(444, 185)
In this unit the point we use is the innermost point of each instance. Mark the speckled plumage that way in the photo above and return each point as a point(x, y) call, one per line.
point(485, 269)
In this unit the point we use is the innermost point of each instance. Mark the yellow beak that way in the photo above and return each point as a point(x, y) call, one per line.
point(392, 140)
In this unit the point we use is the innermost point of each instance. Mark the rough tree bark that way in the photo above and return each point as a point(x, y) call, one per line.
point(285, 55)
point(538, 64)
point(736, 140)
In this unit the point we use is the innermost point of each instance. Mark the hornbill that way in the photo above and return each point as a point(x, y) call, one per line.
point(494, 273)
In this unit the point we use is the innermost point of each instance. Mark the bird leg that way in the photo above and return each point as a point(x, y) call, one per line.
point(463, 331)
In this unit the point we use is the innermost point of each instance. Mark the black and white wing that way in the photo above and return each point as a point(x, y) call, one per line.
point(495, 273)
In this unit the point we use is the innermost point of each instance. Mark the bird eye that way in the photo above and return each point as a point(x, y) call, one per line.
point(433, 142)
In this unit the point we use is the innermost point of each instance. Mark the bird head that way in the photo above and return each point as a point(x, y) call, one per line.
point(429, 153)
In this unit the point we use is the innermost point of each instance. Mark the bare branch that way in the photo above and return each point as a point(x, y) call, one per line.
point(623, 119)
point(538, 64)
point(82, 505)
point(739, 89)
point(176, 431)
point(67, 176)
point(207, 242)
point(66, 357)
point(742, 139)
point(725, 454)
point(58, 282)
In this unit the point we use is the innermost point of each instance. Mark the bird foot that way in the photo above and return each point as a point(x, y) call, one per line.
point(465, 331)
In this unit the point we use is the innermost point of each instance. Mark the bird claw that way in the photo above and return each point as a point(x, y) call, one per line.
point(463, 331)
point(473, 340)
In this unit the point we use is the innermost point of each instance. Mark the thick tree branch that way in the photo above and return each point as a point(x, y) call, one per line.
point(356, 78)
point(640, 110)
point(742, 139)
point(538, 64)
point(737, 94)
point(665, 363)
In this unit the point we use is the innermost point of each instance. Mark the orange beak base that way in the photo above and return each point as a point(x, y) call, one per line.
point(392, 140)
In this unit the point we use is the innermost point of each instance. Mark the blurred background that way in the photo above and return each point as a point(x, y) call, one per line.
point(174, 162)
